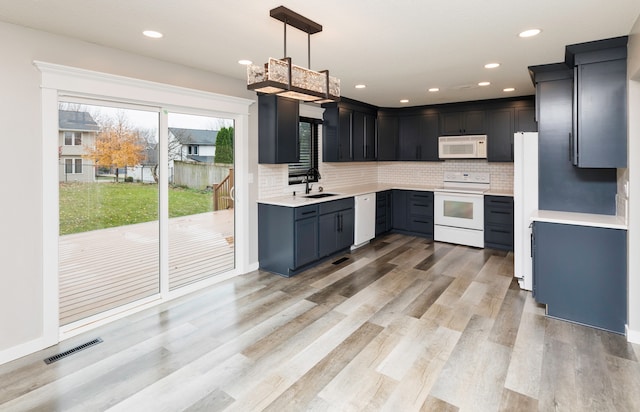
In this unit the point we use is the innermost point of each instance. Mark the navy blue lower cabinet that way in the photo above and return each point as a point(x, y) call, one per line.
point(306, 241)
point(580, 273)
point(384, 216)
point(413, 212)
point(287, 237)
point(336, 225)
point(498, 222)
point(292, 239)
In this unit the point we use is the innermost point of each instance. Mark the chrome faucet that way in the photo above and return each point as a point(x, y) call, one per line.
point(306, 179)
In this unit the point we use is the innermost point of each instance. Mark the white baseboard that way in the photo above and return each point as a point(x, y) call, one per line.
point(633, 336)
point(15, 352)
point(253, 266)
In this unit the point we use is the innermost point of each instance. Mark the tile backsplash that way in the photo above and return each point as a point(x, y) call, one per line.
point(273, 179)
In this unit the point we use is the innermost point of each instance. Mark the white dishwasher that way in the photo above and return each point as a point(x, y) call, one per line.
point(365, 224)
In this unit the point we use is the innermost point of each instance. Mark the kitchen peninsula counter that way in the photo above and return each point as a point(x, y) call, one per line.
point(580, 219)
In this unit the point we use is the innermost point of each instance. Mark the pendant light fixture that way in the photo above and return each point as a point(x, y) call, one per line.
point(281, 77)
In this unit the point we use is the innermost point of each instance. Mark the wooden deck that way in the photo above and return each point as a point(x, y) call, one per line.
point(103, 269)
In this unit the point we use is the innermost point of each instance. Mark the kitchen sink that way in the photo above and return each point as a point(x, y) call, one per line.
point(320, 195)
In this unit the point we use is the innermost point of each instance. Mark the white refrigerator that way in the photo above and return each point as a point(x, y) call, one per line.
point(525, 203)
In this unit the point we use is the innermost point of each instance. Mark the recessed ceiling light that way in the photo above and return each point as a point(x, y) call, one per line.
point(360, 86)
point(434, 89)
point(509, 89)
point(245, 62)
point(491, 65)
point(152, 33)
point(484, 83)
point(530, 33)
point(404, 101)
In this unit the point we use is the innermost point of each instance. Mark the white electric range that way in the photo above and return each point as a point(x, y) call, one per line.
point(459, 208)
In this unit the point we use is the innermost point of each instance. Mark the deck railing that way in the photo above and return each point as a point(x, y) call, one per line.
point(223, 193)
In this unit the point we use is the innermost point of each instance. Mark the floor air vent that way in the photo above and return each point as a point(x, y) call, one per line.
point(342, 259)
point(70, 352)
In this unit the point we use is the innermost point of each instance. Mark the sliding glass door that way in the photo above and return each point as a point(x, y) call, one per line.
point(108, 208)
point(144, 209)
point(201, 204)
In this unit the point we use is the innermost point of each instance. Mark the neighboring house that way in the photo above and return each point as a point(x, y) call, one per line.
point(77, 131)
point(192, 144)
point(144, 172)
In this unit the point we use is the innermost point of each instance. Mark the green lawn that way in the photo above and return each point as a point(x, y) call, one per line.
point(91, 206)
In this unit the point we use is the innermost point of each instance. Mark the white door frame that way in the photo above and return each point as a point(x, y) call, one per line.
point(58, 81)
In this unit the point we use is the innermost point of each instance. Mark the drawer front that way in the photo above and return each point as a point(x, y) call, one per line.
point(421, 196)
point(421, 204)
point(306, 211)
point(419, 225)
point(498, 210)
point(421, 209)
point(505, 202)
point(499, 235)
point(335, 205)
point(498, 216)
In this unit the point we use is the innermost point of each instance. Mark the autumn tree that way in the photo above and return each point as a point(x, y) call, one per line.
point(224, 146)
point(117, 144)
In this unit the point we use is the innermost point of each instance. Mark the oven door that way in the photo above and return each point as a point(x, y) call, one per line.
point(461, 210)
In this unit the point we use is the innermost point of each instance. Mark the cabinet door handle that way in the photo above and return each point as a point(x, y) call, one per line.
point(500, 213)
point(570, 148)
point(533, 244)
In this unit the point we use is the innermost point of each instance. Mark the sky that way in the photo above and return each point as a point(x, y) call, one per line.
point(148, 120)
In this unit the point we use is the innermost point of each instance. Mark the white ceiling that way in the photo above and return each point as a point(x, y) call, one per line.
point(398, 48)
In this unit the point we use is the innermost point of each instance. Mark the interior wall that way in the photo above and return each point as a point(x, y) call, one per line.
point(21, 237)
point(633, 71)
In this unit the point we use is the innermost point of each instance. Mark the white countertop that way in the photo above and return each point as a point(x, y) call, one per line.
point(350, 191)
point(579, 219)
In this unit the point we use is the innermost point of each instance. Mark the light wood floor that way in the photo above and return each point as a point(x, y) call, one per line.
point(103, 269)
point(404, 324)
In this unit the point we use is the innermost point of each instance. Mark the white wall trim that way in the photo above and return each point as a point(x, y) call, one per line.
point(91, 83)
point(633, 336)
point(57, 81)
point(21, 350)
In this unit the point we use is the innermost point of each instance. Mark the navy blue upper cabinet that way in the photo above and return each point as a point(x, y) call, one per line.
point(599, 136)
point(355, 131)
point(461, 123)
point(349, 131)
point(387, 136)
point(418, 136)
point(502, 122)
point(500, 135)
point(561, 186)
point(278, 126)
point(363, 132)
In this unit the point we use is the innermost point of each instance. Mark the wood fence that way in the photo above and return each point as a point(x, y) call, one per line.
point(199, 175)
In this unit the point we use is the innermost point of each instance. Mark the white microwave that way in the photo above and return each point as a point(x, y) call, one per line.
point(462, 147)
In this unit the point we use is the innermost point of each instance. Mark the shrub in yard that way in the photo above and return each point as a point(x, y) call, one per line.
point(128, 179)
